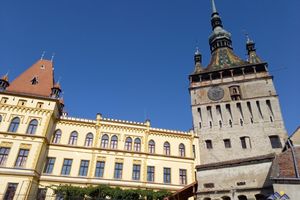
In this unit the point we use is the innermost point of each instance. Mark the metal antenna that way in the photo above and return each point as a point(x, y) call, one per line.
point(52, 57)
point(43, 54)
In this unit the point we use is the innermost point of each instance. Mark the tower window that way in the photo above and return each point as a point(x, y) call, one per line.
point(227, 143)
point(259, 109)
point(275, 141)
point(235, 93)
point(230, 123)
point(209, 144)
point(245, 142)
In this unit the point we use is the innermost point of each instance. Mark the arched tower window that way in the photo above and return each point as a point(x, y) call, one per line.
point(260, 197)
point(128, 144)
point(14, 125)
point(114, 142)
point(104, 141)
point(226, 198)
point(0, 119)
point(89, 140)
point(73, 138)
point(32, 127)
point(137, 144)
point(235, 93)
point(242, 197)
point(151, 146)
point(182, 150)
point(167, 150)
point(57, 137)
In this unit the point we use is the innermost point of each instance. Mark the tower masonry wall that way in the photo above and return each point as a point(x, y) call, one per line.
point(256, 116)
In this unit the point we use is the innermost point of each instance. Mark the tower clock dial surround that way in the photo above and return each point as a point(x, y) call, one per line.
point(215, 93)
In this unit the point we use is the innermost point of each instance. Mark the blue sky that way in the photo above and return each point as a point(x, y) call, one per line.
point(131, 59)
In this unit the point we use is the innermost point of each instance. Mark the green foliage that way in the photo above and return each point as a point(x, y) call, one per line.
point(102, 192)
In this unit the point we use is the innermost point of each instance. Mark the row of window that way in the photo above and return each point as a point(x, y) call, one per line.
point(228, 112)
point(114, 143)
point(118, 170)
point(84, 165)
point(21, 159)
point(246, 142)
point(15, 122)
point(32, 127)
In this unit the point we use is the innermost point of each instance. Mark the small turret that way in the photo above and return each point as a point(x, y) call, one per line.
point(253, 58)
point(4, 82)
point(198, 61)
point(56, 90)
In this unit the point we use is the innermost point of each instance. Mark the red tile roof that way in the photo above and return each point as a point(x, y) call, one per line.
point(42, 71)
point(283, 164)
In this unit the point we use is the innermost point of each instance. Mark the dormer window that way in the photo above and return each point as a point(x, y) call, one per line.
point(34, 81)
point(235, 93)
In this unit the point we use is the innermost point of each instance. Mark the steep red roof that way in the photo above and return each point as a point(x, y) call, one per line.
point(284, 166)
point(36, 80)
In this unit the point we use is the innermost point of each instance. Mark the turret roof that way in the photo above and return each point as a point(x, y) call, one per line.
point(36, 80)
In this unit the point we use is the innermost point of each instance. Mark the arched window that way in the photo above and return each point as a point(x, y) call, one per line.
point(128, 144)
point(0, 119)
point(167, 148)
point(56, 137)
point(242, 197)
point(226, 198)
point(114, 142)
point(89, 140)
point(14, 124)
point(151, 146)
point(137, 144)
point(73, 138)
point(104, 141)
point(260, 197)
point(182, 150)
point(32, 127)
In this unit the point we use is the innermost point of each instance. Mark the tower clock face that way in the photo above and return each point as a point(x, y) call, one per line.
point(215, 93)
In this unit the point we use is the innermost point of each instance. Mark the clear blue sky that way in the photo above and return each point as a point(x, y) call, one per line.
point(130, 59)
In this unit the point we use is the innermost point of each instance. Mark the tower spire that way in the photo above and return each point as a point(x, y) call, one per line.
point(220, 43)
point(214, 9)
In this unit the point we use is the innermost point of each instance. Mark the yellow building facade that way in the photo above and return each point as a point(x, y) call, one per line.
point(40, 146)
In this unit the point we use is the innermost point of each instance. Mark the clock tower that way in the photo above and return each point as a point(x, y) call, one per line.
point(235, 107)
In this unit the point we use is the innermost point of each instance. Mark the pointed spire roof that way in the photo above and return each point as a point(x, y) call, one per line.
point(36, 80)
point(222, 55)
